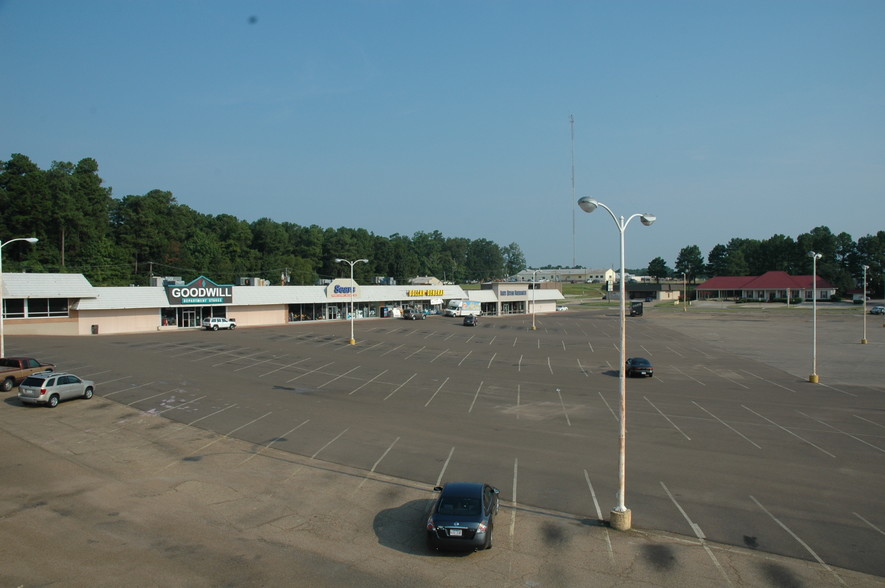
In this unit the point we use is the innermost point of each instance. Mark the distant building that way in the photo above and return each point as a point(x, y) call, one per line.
point(767, 287)
point(566, 275)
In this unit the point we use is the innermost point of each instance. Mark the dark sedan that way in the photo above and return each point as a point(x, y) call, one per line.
point(470, 320)
point(639, 366)
point(463, 516)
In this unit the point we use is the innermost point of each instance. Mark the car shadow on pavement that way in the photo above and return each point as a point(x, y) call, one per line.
point(403, 528)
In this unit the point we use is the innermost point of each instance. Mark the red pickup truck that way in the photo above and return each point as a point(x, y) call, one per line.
point(15, 369)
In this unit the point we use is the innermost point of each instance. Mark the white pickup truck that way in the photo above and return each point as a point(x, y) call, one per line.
point(219, 322)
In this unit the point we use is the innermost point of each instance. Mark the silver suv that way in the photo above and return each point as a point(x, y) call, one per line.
point(50, 388)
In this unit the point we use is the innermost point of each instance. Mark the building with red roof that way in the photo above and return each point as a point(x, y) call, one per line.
point(768, 287)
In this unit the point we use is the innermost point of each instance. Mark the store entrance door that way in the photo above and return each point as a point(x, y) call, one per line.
point(189, 318)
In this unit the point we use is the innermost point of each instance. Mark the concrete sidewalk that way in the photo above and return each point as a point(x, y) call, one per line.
point(99, 494)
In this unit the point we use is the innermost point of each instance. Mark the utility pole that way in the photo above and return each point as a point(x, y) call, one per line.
point(571, 205)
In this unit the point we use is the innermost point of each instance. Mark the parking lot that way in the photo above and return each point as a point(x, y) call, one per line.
point(728, 444)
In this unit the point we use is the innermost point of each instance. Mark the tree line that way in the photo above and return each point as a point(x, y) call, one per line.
point(841, 263)
point(83, 229)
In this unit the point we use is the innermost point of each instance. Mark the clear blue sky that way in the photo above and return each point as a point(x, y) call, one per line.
point(724, 118)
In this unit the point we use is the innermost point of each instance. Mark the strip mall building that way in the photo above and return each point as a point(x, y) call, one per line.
point(67, 304)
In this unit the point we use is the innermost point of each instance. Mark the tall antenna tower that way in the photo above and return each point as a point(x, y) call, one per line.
point(574, 246)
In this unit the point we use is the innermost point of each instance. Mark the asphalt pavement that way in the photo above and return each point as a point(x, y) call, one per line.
point(101, 493)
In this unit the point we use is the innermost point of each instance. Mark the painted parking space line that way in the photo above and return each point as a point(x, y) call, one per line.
point(217, 439)
point(153, 396)
point(607, 405)
point(872, 526)
point(562, 404)
point(493, 339)
point(687, 376)
point(838, 390)
point(438, 355)
point(868, 421)
point(366, 383)
point(733, 381)
point(423, 347)
point(136, 387)
point(584, 371)
point(747, 439)
point(211, 414)
point(445, 466)
point(786, 430)
point(766, 380)
point(675, 426)
point(114, 380)
point(313, 371)
point(519, 364)
point(263, 361)
point(236, 358)
point(494, 355)
point(338, 436)
point(465, 357)
point(391, 350)
point(838, 430)
point(395, 390)
point(608, 540)
point(275, 439)
point(549, 367)
point(475, 396)
point(338, 377)
point(591, 346)
point(282, 367)
point(370, 347)
point(647, 352)
point(699, 534)
point(673, 351)
point(437, 392)
point(800, 541)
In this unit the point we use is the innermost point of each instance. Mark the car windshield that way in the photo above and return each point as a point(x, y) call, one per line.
point(452, 505)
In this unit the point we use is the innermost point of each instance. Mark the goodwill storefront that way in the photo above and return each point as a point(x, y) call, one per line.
point(67, 304)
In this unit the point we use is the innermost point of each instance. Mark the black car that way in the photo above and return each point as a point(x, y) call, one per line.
point(470, 320)
point(639, 366)
point(463, 516)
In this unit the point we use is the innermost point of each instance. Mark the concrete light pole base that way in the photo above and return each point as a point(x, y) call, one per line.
point(863, 341)
point(814, 378)
point(621, 520)
point(353, 341)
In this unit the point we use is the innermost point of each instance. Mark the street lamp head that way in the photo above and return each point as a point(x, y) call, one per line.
point(339, 260)
point(363, 260)
point(588, 204)
point(647, 219)
point(814, 255)
point(32, 240)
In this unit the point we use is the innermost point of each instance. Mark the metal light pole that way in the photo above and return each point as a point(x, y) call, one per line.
point(863, 341)
point(813, 378)
point(534, 286)
point(352, 291)
point(621, 518)
point(684, 294)
point(30, 240)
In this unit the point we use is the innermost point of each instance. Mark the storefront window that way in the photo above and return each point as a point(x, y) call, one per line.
point(35, 307)
point(14, 308)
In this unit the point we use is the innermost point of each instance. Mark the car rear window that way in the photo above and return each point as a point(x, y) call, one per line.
point(33, 381)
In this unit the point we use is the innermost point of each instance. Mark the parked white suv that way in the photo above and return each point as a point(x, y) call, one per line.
point(219, 322)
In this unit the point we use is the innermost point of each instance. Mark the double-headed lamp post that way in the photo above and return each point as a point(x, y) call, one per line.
point(621, 517)
point(813, 378)
point(863, 340)
point(352, 291)
point(534, 287)
point(30, 240)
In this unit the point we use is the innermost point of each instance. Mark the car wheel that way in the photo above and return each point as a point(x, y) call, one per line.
point(87, 394)
point(232, 327)
point(6, 385)
point(489, 538)
point(53, 401)
point(214, 327)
